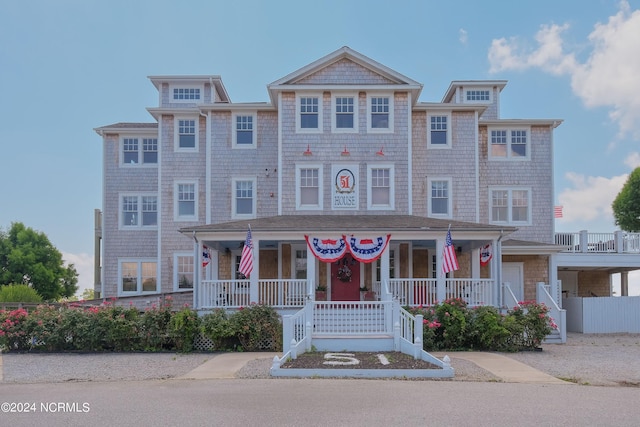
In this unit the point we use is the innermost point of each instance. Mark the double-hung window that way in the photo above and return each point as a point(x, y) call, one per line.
point(439, 203)
point(510, 205)
point(345, 113)
point(309, 116)
point(380, 189)
point(439, 130)
point(509, 144)
point(380, 114)
point(139, 151)
point(186, 135)
point(183, 271)
point(244, 131)
point(138, 211)
point(244, 202)
point(186, 201)
point(309, 178)
point(138, 276)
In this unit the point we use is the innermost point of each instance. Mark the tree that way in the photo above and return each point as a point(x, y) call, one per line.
point(626, 206)
point(28, 257)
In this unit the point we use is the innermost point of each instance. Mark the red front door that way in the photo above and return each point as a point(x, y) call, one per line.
point(345, 279)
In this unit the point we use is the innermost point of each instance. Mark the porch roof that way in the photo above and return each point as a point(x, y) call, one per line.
point(346, 224)
point(527, 247)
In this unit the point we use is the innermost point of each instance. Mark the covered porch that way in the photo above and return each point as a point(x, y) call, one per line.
point(287, 272)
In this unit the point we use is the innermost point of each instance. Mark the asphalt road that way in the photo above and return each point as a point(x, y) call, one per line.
point(317, 402)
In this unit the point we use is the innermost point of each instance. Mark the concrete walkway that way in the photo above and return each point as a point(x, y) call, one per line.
point(508, 370)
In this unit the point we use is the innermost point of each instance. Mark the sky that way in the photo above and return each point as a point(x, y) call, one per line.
point(69, 66)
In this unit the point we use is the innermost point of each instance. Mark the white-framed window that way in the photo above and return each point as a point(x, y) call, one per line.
point(510, 205)
point(309, 187)
point(244, 130)
point(438, 130)
point(186, 134)
point(478, 96)
point(183, 273)
point(299, 267)
point(136, 151)
point(380, 188)
point(509, 143)
point(345, 113)
point(309, 113)
point(185, 94)
point(244, 198)
point(440, 200)
point(138, 211)
point(186, 201)
point(380, 113)
point(137, 276)
point(392, 264)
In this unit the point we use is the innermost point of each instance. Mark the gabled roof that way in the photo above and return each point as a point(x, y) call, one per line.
point(294, 80)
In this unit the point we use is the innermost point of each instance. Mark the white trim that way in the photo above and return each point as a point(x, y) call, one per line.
point(176, 214)
point(176, 287)
point(254, 130)
point(409, 189)
point(139, 262)
point(385, 166)
point(320, 127)
point(448, 144)
point(139, 195)
point(391, 98)
point(508, 157)
point(510, 190)
point(356, 110)
point(299, 205)
point(449, 182)
point(176, 134)
point(254, 195)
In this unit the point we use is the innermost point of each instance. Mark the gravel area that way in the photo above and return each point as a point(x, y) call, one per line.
point(591, 359)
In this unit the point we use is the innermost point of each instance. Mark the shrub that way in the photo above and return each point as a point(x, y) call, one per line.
point(217, 327)
point(257, 327)
point(154, 327)
point(533, 323)
point(19, 293)
point(183, 328)
point(486, 330)
point(452, 316)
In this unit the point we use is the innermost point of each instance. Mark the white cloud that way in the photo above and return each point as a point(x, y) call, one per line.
point(83, 264)
point(463, 36)
point(608, 78)
point(633, 160)
point(589, 198)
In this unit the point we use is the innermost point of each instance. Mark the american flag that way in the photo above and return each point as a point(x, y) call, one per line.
point(449, 259)
point(557, 211)
point(246, 261)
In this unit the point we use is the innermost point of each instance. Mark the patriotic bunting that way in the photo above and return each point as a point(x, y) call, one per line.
point(326, 250)
point(367, 250)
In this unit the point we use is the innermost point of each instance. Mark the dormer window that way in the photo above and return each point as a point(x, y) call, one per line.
point(186, 94)
point(478, 96)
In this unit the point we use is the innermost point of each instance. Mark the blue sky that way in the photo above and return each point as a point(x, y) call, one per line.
point(69, 66)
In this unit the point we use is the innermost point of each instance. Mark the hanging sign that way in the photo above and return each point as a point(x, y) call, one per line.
point(486, 253)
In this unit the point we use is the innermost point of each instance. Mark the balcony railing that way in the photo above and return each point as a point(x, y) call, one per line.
point(585, 242)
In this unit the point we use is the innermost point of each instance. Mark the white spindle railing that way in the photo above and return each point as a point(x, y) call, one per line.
point(509, 300)
point(583, 241)
point(414, 291)
point(474, 292)
point(235, 293)
point(351, 317)
point(558, 315)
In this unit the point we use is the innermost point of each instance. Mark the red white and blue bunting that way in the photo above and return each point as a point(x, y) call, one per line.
point(363, 250)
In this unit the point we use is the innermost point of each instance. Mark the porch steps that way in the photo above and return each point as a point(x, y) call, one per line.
point(553, 338)
point(352, 342)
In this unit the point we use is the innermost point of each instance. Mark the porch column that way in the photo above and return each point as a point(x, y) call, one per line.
point(197, 262)
point(624, 283)
point(384, 271)
point(441, 283)
point(311, 274)
point(553, 279)
point(475, 263)
point(496, 271)
point(254, 295)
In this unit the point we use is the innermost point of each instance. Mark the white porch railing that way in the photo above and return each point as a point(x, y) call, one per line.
point(509, 300)
point(235, 293)
point(415, 292)
point(583, 241)
point(474, 292)
point(555, 312)
point(352, 318)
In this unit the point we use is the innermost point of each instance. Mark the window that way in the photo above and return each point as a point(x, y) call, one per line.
point(184, 93)
point(345, 117)
point(134, 153)
point(309, 190)
point(244, 198)
point(309, 117)
point(244, 134)
point(510, 205)
point(478, 95)
point(438, 134)
point(300, 267)
point(186, 135)
point(139, 211)
point(186, 202)
point(439, 197)
point(380, 114)
point(380, 189)
point(508, 144)
point(183, 271)
point(392, 265)
point(138, 276)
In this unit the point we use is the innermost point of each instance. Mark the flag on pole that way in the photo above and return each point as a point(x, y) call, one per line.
point(557, 211)
point(206, 256)
point(449, 259)
point(246, 260)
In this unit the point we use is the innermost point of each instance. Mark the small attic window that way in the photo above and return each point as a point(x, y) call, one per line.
point(186, 93)
point(477, 95)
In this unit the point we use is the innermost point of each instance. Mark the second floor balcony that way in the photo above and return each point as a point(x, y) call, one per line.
point(604, 243)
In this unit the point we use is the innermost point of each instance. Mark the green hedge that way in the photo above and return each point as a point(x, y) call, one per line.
point(112, 328)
